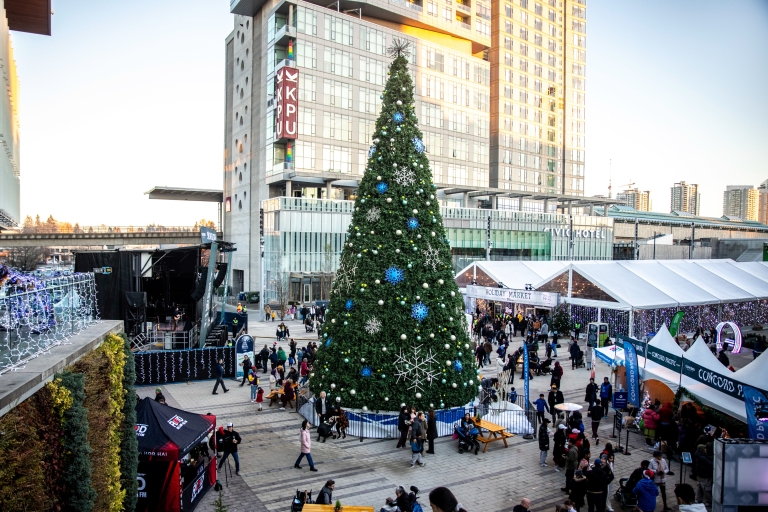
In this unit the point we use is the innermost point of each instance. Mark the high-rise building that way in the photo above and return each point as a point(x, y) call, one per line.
point(500, 98)
point(685, 198)
point(741, 201)
point(638, 199)
point(20, 16)
point(762, 203)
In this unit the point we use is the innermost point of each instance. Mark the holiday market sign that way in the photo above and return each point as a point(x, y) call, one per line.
point(286, 103)
point(393, 332)
point(529, 297)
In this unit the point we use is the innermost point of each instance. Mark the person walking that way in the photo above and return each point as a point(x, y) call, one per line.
point(596, 413)
point(219, 372)
point(646, 492)
point(306, 445)
point(264, 355)
point(246, 364)
point(590, 395)
point(403, 424)
point(541, 406)
point(588, 355)
point(660, 467)
point(574, 351)
point(231, 440)
point(543, 443)
point(576, 330)
point(596, 484)
point(557, 374)
point(606, 394)
point(555, 397)
point(417, 440)
point(431, 431)
point(608, 470)
point(480, 354)
point(686, 499)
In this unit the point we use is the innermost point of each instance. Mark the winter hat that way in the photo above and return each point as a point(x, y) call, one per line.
point(561, 426)
point(598, 462)
point(657, 453)
point(649, 474)
point(579, 472)
point(444, 499)
point(230, 424)
point(158, 390)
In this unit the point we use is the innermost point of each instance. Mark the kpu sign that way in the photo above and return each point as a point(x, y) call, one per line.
point(528, 297)
point(287, 103)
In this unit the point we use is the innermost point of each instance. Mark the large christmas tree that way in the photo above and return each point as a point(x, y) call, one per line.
point(394, 332)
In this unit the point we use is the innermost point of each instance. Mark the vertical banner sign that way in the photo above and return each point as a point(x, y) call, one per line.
point(226, 288)
point(287, 103)
point(526, 378)
point(757, 413)
point(243, 347)
point(674, 325)
point(633, 374)
point(205, 321)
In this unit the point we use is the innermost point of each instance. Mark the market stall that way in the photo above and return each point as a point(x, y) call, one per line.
point(176, 467)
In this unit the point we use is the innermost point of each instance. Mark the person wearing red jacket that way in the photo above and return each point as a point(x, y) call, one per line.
point(650, 419)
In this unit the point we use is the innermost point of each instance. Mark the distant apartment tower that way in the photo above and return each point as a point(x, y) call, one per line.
point(741, 201)
point(685, 198)
point(762, 203)
point(640, 200)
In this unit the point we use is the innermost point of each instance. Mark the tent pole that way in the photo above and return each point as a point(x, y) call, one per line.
point(631, 322)
point(599, 314)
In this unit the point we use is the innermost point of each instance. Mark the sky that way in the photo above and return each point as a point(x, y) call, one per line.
point(125, 96)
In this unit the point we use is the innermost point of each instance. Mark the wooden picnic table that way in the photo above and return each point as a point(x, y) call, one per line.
point(276, 395)
point(313, 507)
point(495, 433)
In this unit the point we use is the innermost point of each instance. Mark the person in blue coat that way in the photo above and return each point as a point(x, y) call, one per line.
point(541, 406)
point(646, 492)
point(606, 393)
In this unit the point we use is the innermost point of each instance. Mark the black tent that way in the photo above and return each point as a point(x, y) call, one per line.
point(174, 471)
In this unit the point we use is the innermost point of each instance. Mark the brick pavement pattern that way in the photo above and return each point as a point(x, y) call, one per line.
point(367, 472)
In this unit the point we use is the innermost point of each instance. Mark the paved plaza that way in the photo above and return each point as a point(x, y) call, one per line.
point(367, 472)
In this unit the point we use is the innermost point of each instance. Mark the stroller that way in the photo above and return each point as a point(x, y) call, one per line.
point(467, 440)
point(624, 496)
point(302, 497)
point(544, 368)
point(325, 430)
point(580, 360)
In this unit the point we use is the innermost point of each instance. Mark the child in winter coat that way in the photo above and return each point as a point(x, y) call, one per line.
point(259, 397)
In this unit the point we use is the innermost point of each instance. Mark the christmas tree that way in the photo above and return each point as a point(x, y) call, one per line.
point(395, 330)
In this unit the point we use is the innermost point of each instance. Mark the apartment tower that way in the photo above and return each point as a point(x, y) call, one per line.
point(685, 198)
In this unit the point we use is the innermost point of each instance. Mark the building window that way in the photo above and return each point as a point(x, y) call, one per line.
point(480, 176)
point(337, 62)
point(434, 143)
point(481, 100)
point(338, 30)
point(459, 121)
point(337, 159)
point(307, 88)
point(433, 59)
point(458, 148)
point(447, 14)
point(304, 155)
point(483, 28)
point(337, 94)
point(431, 87)
point(306, 21)
point(432, 8)
point(508, 10)
point(457, 174)
point(372, 70)
point(508, 91)
point(372, 40)
point(306, 121)
point(484, 11)
point(431, 115)
point(369, 101)
point(480, 153)
point(337, 126)
point(306, 54)
point(365, 129)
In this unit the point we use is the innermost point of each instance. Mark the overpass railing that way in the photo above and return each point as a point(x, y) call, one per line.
point(105, 229)
point(37, 314)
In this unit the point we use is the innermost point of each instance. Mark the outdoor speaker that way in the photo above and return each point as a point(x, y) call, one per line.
point(136, 299)
point(220, 275)
point(200, 290)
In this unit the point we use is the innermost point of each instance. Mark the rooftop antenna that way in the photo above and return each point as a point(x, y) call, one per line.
point(610, 187)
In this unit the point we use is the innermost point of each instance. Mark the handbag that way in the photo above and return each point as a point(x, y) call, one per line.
point(455, 436)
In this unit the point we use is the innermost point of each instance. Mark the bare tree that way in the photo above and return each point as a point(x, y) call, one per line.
point(25, 258)
point(282, 285)
point(326, 273)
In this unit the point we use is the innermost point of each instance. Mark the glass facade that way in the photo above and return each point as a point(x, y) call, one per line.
point(303, 239)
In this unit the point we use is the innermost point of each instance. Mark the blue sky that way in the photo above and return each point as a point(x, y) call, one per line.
point(128, 95)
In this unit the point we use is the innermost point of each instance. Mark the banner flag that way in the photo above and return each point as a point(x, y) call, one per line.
point(633, 374)
point(757, 413)
point(674, 325)
point(526, 377)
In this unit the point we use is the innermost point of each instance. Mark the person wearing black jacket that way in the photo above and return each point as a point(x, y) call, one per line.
point(431, 431)
point(264, 355)
point(403, 421)
point(543, 443)
point(574, 351)
point(704, 475)
point(590, 395)
point(636, 476)
point(322, 407)
point(219, 372)
point(597, 482)
point(596, 413)
point(326, 493)
point(555, 397)
point(231, 440)
point(246, 364)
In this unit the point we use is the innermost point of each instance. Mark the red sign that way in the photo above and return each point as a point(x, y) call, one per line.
point(287, 103)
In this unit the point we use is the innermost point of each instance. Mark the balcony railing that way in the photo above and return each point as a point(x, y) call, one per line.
point(465, 26)
point(463, 7)
point(416, 6)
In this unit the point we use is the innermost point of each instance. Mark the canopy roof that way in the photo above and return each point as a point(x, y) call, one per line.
point(631, 284)
point(754, 374)
point(165, 433)
point(664, 341)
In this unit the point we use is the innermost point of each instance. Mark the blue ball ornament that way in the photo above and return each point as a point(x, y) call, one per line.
point(328, 343)
point(366, 371)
